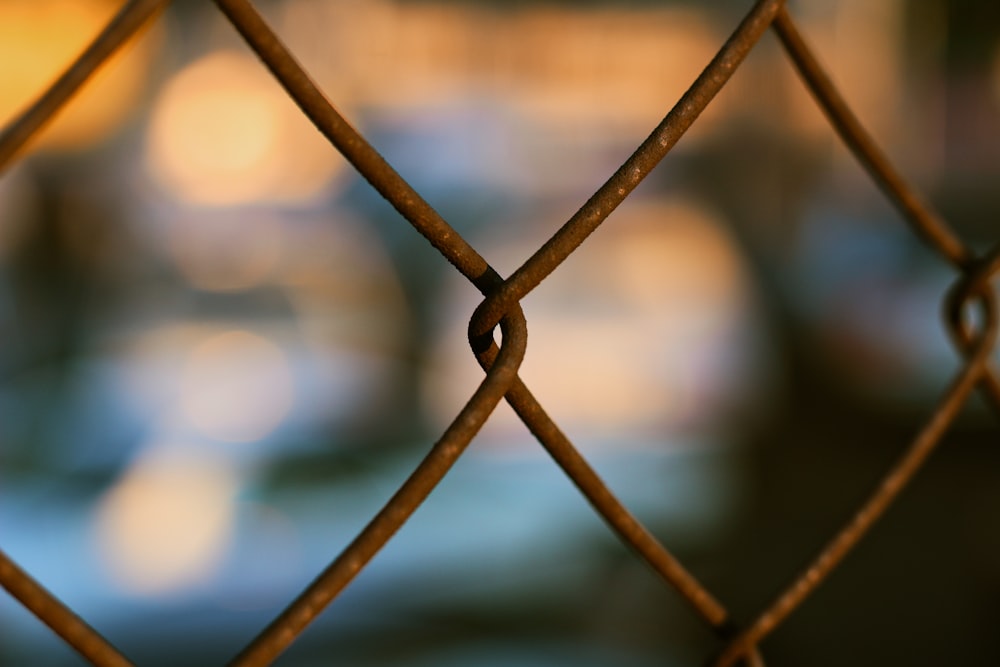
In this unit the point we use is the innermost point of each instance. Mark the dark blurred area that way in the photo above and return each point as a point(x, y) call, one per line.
point(223, 351)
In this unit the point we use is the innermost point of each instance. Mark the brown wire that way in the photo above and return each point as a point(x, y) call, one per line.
point(54, 613)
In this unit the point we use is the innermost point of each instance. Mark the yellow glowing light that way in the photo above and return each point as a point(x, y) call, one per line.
point(236, 387)
point(167, 522)
point(226, 253)
point(223, 132)
point(39, 39)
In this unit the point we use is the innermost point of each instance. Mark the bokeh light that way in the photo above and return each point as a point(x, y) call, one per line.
point(236, 387)
point(165, 524)
point(223, 132)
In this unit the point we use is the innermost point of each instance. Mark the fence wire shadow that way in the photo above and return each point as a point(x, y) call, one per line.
point(501, 307)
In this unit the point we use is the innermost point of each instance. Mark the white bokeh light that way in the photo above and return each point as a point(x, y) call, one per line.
point(165, 525)
point(223, 133)
point(236, 386)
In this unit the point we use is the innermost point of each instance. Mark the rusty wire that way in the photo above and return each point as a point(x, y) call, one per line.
point(54, 613)
point(501, 306)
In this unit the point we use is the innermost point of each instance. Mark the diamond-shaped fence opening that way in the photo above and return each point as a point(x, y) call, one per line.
point(594, 374)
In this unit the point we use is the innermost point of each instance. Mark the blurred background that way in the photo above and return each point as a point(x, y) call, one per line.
point(223, 351)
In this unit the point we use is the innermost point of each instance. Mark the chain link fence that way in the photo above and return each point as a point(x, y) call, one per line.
point(974, 335)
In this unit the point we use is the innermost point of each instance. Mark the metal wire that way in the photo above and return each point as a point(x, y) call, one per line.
point(501, 306)
point(55, 614)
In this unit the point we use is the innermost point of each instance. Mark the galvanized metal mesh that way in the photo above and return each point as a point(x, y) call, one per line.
point(501, 307)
